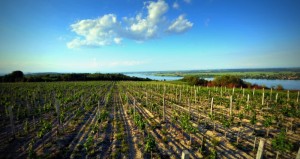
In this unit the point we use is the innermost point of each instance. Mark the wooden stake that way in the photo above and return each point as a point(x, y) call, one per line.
point(185, 154)
point(271, 94)
point(211, 106)
point(230, 112)
point(254, 144)
point(263, 98)
point(260, 150)
point(248, 97)
point(11, 119)
point(298, 97)
point(146, 98)
point(298, 154)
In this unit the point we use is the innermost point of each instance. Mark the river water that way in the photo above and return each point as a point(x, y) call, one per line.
point(287, 84)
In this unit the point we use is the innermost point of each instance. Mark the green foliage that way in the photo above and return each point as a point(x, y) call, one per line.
point(31, 153)
point(241, 116)
point(103, 116)
point(281, 143)
point(139, 121)
point(88, 144)
point(227, 122)
point(46, 127)
point(186, 124)
point(95, 128)
point(15, 76)
point(194, 80)
point(268, 121)
point(228, 81)
point(279, 87)
point(290, 112)
point(18, 76)
point(26, 126)
point(213, 154)
point(253, 119)
point(150, 143)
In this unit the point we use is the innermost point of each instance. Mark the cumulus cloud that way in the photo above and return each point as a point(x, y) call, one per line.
point(96, 32)
point(180, 25)
point(108, 29)
point(148, 27)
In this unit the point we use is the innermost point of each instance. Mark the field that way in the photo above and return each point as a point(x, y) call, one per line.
point(145, 120)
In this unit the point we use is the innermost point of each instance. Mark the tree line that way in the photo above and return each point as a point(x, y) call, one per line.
point(18, 76)
point(229, 81)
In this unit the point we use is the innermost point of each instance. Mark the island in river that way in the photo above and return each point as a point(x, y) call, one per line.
point(258, 73)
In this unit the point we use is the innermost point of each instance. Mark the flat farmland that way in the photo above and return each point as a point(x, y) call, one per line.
point(110, 119)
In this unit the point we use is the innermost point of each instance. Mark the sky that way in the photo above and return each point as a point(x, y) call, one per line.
point(136, 35)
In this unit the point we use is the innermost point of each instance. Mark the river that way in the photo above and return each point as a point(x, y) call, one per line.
point(287, 84)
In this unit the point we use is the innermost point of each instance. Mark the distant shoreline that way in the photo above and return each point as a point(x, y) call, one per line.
point(261, 73)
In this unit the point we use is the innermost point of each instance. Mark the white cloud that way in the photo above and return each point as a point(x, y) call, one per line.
point(180, 25)
point(95, 32)
point(148, 27)
point(175, 5)
point(187, 1)
point(118, 40)
point(108, 30)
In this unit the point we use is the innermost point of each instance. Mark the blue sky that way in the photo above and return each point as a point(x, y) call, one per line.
point(134, 35)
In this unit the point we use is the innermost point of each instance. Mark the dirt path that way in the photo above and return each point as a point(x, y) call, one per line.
point(133, 138)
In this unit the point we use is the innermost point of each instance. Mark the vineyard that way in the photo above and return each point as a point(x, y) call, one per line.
point(146, 120)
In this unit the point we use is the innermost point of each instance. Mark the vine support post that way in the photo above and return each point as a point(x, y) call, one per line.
point(288, 95)
point(189, 104)
point(276, 97)
point(203, 142)
point(98, 109)
point(57, 108)
point(271, 94)
point(263, 98)
point(195, 96)
point(185, 154)
point(176, 96)
point(260, 150)
point(211, 106)
point(254, 144)
point(180, 96)
point(221, 92)
point(11, 118)
point(230, 112)
point(134, 107)
point(298, 97)
point(146, 99)
point(298, 154)
point(253, 92)
point(248, 97)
